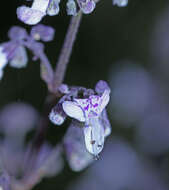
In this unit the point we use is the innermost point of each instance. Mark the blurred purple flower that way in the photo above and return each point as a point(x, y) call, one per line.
point(152, 134)
point(17, 119)
point(133, 92)
point(121, 168)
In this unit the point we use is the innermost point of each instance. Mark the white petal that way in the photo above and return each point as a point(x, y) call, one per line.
point(94, 136)
point(29, 16)
point(3, 58)
point(104, 100)
point(40, 5)
point(106, 123)
point(73, 110)
point(77, 155)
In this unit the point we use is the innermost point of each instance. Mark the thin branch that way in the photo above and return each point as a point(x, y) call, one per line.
point(66, 50)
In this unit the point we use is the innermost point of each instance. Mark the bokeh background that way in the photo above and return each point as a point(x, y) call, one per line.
point(129, 48)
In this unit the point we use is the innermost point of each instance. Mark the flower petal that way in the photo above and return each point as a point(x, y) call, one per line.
point(87, 6)
point(3, 58)
point(73, 110)
point(40, 5)
point(105, 122)
point(101, 86)
point(76, 153)
point(94, 136)
point(20, 58)
point(42, 32)
point(17, 33)
point(104, 100)
point(29, 16)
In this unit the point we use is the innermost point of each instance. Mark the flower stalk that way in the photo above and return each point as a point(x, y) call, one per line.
point(66, 50)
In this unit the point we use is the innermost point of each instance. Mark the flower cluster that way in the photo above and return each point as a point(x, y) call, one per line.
point(32, 15)
point(40, 8)
point(14, 51)
point(90, 124)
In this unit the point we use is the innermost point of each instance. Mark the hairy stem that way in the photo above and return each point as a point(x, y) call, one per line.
point(66, 50)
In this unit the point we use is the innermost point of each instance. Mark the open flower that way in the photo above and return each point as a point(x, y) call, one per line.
point(14, 51)
point(90, 111)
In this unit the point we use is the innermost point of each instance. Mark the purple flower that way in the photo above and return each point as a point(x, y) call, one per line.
point(90, 111)
point(87, 6)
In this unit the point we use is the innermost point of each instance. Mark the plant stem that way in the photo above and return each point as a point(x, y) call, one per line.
point(66, 50)
point(51, 99)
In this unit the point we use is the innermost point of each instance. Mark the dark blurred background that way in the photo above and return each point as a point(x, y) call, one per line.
point(128, 47)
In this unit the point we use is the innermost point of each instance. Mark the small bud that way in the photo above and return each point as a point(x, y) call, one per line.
point(101, 86)
point(87, 6)
point(53, 8)
point(64, 89)
point(57, 115)
point(71, 8)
